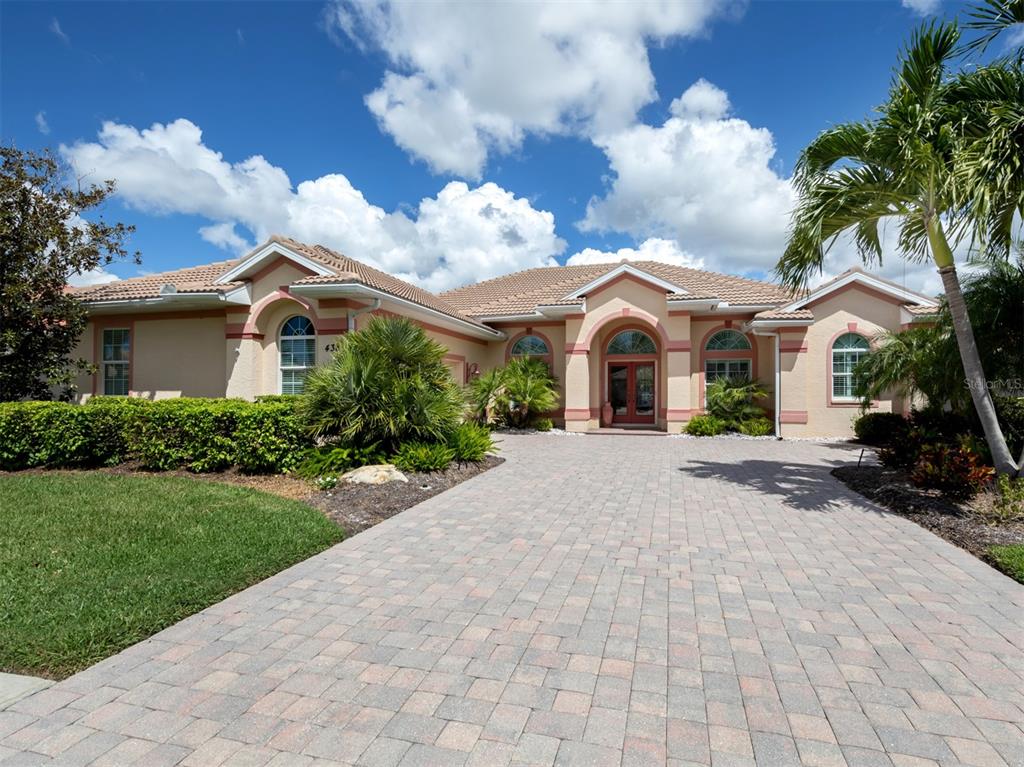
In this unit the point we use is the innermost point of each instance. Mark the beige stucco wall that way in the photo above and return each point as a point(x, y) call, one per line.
point(806, 376)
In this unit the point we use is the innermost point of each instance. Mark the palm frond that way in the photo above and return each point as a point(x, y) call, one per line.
point(991, 18)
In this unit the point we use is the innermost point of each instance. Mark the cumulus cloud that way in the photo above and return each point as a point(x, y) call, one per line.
point(923, 7)
point(702, 178)
point(97, 276)
point(41, 124)
point(652, 249)
point(463, 234)
point(469, 79)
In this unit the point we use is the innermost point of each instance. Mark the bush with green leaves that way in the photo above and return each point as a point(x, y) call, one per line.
point(482, 396)
point(194, 434)
point(878, 429)
point(732, 400)
point(334, 461)
point(385, 385)
point(515, 395)
point(471, 442)
point(705, 425)
point(423, 456)
point(756, 427)
point(543, 424)
point(1005, 504)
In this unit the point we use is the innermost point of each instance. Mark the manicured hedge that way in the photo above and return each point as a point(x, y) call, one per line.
point(195, 434)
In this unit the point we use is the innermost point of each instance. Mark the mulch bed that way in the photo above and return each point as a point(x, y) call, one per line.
point(358, 507)
point(955, 522)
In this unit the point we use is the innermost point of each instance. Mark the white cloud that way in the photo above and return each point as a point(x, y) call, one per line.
point(42, 124)
point(461, 235)
point(923, 7)
point(652, 249)
point(702, 178)
point(468, 79)
point(97, 276)
point(59, 33)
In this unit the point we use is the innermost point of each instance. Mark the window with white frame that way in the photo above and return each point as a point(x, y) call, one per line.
point(847, 351)
point(530, 346)
point(297, 348)
point(117, 352)
point(736, 364)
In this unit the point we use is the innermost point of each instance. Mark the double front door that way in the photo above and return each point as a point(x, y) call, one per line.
point(631, 391)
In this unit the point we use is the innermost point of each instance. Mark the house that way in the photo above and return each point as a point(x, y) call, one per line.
point(643, 336)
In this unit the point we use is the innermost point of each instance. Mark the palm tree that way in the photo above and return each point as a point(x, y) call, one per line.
point(992, 18)
point(924, 163)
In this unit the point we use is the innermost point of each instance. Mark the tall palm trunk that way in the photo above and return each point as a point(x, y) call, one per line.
point(975, 374)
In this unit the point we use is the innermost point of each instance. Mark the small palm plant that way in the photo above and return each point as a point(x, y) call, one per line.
point(732, 400)
point(528, 390)
point(386, 384)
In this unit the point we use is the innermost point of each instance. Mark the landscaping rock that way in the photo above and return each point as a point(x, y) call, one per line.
point(374, 474)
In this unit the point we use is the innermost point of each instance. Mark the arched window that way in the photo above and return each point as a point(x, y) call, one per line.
point(632, 342)
point(297, 348)
point(847, 351)
point(727, 341)
point(530, 346)
point(727, 355)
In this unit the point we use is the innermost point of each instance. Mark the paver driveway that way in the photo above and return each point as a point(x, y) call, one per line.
point(594, 600)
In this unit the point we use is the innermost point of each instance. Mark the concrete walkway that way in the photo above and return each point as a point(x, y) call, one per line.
point(594, 600)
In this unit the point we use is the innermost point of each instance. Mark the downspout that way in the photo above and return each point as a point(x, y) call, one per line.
point(373, 306)
point(778, 385)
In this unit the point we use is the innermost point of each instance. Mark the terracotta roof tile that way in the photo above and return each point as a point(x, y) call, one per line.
point(193, 279)
point(777, 314)
point(521, 292)
point(921, 311)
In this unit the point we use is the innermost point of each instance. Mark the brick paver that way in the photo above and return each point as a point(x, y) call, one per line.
point(594, 600)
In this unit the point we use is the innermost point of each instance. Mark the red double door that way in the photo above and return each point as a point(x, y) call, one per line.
point(631, 391)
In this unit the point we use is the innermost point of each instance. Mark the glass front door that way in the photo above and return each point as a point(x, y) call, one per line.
point(631, 391)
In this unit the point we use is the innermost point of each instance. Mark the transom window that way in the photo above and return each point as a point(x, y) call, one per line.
point(297, 346)
point(847, 351)
point(728, 341)
point(530, 346)
point(117, 350)
point(632, 342)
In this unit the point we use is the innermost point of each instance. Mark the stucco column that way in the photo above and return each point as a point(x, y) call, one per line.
point(577, 390)
point(243, 367)
point(678, 395)
point(793, 384)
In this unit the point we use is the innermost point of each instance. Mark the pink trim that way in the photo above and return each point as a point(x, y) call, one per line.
point(638, 314)
point(541, 324)
point(650, 285)
point(332, 326)
point(255, 336)
point(576, 349)
point(851, 327)
point(679, 413)
point(277, 262)
point(432, 328)
point(678, 346)
point(679, 313)
point(529, 331)
point(576, 413)
point(792, 416)
point(792, 347)
point(855, 286)
point(705, 355)
point(575, 316)
point(281, 294)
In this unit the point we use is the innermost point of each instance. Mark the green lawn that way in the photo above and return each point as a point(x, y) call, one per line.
point(91, 563)
point(1010, 560)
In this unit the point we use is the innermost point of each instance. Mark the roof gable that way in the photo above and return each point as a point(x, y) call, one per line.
point(859, 278)
point(624, 270)
point(266, 254)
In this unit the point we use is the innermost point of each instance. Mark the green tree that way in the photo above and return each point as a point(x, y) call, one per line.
point(385, 384)
point(44, 240)
point(943, 160)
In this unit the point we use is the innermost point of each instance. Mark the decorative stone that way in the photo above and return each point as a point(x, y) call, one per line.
point(374, 474)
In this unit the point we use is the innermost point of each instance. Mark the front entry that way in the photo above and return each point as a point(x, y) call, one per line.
point(631, 391)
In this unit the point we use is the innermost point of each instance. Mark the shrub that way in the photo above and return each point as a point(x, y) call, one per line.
point(528, 389)
point(386, 384)
point(957, 471)
point(482, 395)
point(757, 427)
point(423, 456)
point(543, 424)
point(705, 426)
point(335, 461)
point(470, 442)
point(731, 400)
point(269, 438)
point(193, 434)
point(877, 429)
point(1006, 504)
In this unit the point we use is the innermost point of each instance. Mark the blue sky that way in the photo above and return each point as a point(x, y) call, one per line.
point(289, 82)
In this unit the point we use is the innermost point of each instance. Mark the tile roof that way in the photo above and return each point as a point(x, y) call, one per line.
point(778, 314)
point(521, 292)
point(921, 311)
point(193, 279)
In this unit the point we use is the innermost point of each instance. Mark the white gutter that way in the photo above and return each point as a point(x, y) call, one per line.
point(359, 290)
point(200, 300)
point(373, 306)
